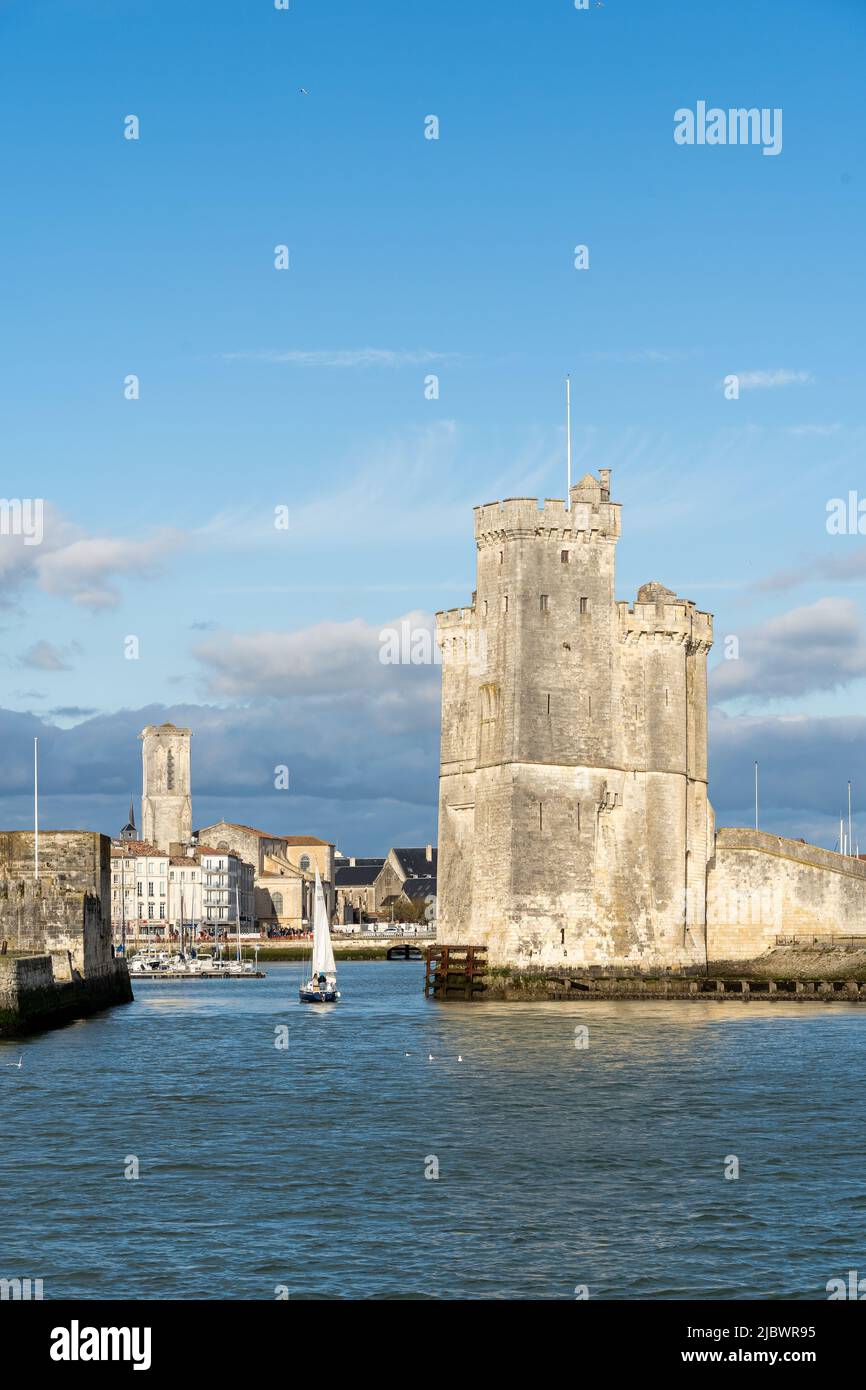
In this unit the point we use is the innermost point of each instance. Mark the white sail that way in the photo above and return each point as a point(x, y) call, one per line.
point(323, 951)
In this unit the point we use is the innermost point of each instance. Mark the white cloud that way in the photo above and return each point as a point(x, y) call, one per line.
point(755, 381)
point(332, 661)
point(344, 357)
point(818, 647)
point(81, 568)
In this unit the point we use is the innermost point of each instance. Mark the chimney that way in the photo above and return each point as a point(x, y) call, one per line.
point(429, 853)
point(604, 479)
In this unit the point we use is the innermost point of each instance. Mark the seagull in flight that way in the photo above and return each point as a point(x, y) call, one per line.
point(17, 1064)
point(304, 92)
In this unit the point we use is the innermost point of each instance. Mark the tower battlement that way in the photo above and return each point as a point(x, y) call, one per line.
point(454, 618)
point(591, 512)
point(659, 615)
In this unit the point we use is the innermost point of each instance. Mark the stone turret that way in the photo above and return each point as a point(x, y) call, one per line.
point(166, 800)
point(573, 811)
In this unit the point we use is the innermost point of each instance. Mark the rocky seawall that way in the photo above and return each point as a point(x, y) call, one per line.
point(33, 998)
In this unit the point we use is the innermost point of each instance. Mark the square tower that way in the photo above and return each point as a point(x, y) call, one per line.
point(573, 818)
point(166, 799)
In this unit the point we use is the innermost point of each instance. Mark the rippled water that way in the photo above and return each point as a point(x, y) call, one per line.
point(559, 1166)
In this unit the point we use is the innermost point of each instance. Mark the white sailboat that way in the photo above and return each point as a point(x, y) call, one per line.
point(321, 988)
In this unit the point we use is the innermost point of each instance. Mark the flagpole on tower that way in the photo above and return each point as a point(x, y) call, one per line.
point(568, 438)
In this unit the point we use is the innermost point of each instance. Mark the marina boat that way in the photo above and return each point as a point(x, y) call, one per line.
point(149, 962)
point(321, 987)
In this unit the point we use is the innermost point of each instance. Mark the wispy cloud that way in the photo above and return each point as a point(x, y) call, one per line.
point(763, 381)
point(640, 355)
point(345, 357)
point(44, 656)
point(819, 431)
point(839, 569)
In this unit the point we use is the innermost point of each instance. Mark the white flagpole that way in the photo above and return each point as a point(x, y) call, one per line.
point(756, 795)
point(568, 438)
point(36, 808)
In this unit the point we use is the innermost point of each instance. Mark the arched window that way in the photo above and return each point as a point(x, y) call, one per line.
point(277, 900)
point(304, 862)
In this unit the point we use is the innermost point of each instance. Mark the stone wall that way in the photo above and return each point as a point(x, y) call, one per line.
point(61, 912)
point(58, 926)
point(761, 886)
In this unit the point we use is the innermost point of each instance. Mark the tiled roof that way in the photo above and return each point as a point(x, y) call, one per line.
point(415, 862)
point(250, 829)
point(420, 887)
point(270, 834)
point(134, 849)
point(356, 875)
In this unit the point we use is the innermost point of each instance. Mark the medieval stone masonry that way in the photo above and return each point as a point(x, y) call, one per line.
point(574, 824)
point(166, 800)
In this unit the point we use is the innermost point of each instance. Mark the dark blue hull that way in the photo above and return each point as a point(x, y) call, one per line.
point(319, 996)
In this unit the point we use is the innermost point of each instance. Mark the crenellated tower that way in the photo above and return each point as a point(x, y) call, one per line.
point(573, 812)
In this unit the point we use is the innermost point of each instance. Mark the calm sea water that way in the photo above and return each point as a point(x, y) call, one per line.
point(558, 1166)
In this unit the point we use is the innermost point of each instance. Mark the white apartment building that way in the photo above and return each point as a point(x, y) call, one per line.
point(139, 889)
point(226, 887)
point(152, 892)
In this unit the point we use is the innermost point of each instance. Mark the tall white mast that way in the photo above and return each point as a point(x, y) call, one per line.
point(756, 795)
point(36, 808)
point(568, 438)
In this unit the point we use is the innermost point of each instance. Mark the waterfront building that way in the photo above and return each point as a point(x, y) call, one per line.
point(355, 889)
point(404, 866)
point(153, 892)
point(284, 869)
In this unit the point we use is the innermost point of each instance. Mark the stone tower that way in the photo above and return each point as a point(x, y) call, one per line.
point(166, 802)
point(574, 826)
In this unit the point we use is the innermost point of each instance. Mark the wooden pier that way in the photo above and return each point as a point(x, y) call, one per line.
point(461, 973)
point(455, 972)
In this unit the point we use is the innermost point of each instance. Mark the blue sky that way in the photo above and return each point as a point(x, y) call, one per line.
point(304, 388)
